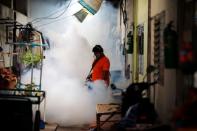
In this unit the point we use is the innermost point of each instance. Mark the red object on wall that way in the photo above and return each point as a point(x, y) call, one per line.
point(186, 58)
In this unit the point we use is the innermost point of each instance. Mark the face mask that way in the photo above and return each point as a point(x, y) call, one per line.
point(97, 55)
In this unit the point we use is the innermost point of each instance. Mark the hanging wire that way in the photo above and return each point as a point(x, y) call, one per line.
point(53, 21)
point(57, 17)
point(36, 20)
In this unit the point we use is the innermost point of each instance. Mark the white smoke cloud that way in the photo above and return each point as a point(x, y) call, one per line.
point(68, 61)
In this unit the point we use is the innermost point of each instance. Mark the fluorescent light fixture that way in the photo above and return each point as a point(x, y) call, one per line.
point(81, 15)
point(89, 6)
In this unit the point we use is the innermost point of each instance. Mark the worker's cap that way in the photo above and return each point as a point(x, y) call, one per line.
point(97, 48)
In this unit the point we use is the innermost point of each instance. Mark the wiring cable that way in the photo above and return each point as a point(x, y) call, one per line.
point(56, 17)
point(36, 20)
point(53, 21)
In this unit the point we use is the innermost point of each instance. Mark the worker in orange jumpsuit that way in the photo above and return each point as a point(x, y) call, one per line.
point(100, 66)
point(98, 79)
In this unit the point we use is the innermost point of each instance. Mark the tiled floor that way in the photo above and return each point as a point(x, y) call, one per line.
point(55, 127)
point(50, 127)
point(72, 129)
point(103, 117)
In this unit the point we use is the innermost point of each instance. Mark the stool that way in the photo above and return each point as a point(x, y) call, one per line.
point(108, 110)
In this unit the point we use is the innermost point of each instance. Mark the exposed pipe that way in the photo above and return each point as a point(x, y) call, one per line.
point(135, 47)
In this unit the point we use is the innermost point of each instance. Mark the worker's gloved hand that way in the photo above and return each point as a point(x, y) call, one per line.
point(89, 83)
point(89, 77)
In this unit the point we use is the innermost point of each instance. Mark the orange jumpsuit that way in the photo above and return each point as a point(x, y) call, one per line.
point(102, 65)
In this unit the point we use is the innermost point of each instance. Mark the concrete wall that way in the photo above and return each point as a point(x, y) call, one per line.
point(124, 29)
point(5, 13)
point(140, 17)
point(20, 18)
point(165, 95)
point(129, 8)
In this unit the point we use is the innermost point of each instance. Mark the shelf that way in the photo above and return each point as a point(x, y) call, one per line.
point(35, 96)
